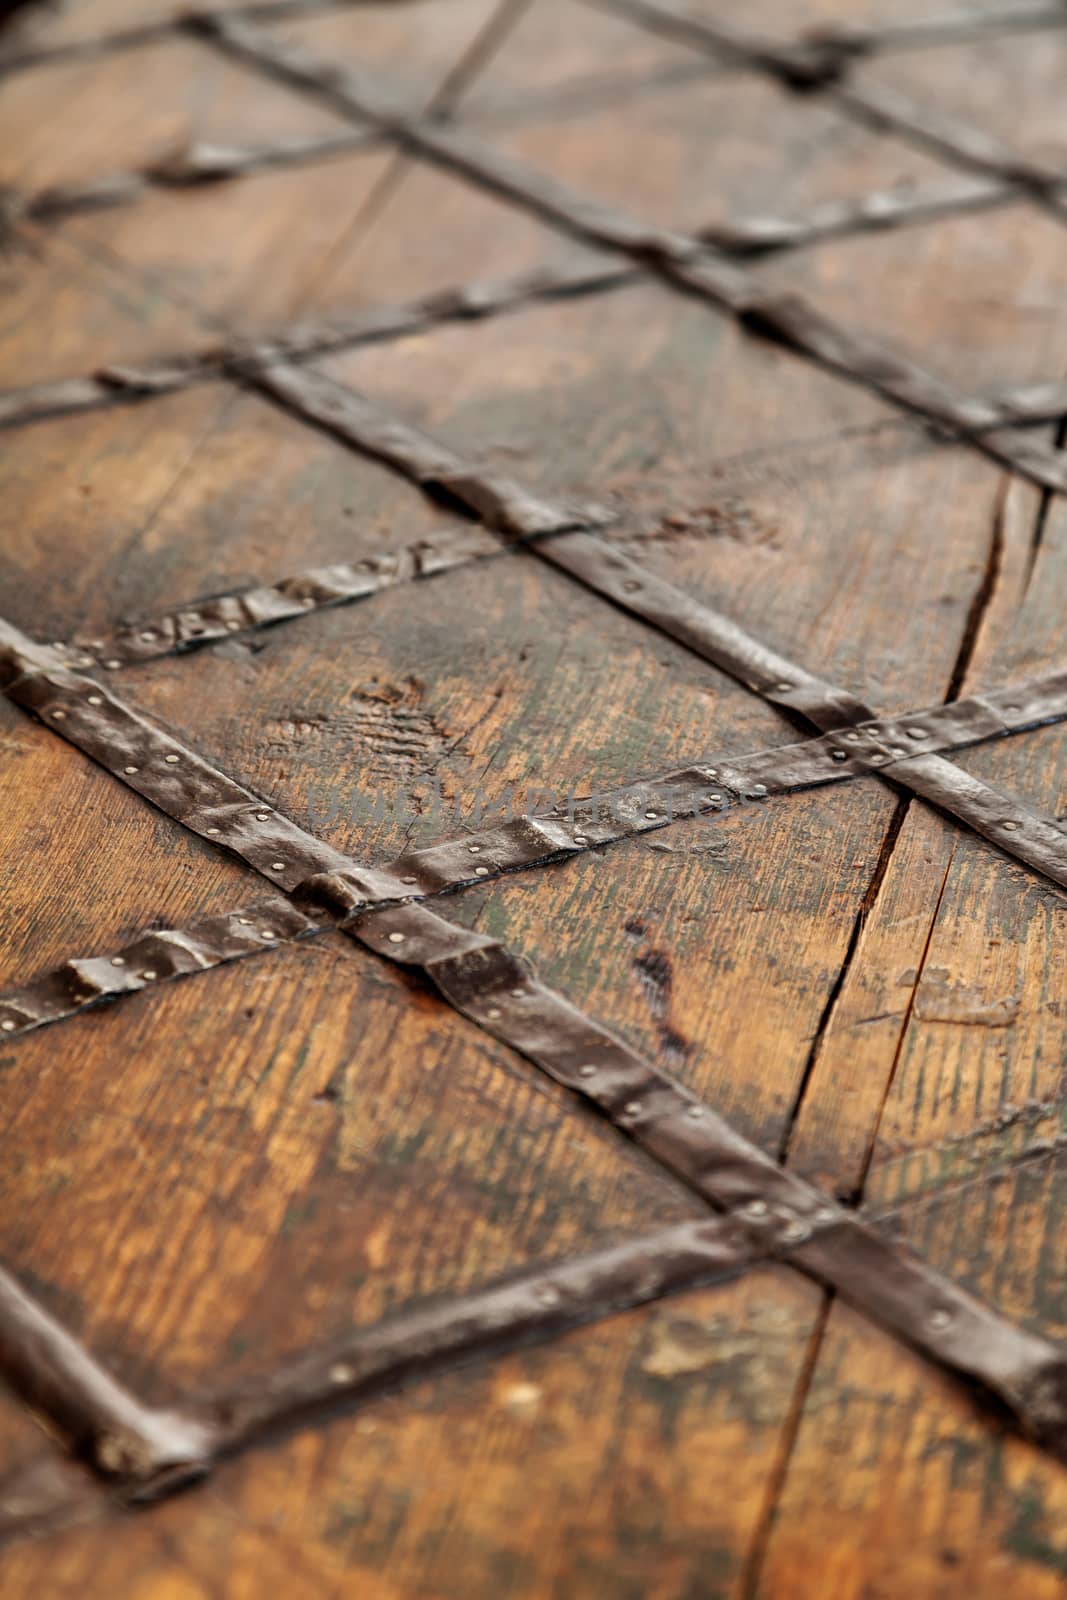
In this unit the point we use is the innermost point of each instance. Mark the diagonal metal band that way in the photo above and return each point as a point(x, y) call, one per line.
point(153, 957)
point(789, 1218)
point(685, 261)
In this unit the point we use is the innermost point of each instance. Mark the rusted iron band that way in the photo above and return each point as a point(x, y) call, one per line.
point(682, 259)
point(486, 982)
point(520, 1310)
point(535, 839)
point(151, 958)
point(52, 1371)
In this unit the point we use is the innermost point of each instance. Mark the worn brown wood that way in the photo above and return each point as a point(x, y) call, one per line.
point(210, 1176)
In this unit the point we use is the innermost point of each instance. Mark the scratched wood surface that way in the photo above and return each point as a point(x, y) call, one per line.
point(206, 1178)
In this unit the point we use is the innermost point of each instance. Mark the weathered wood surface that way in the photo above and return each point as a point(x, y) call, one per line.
point(206, 1177)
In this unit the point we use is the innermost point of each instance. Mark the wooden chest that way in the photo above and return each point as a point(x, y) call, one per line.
point(532, 582)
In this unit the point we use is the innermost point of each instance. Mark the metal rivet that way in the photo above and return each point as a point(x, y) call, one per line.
point(493, 1013)
point(277, 866)
point(96, 699)
point(580, 838)
point(131, 769)
point(232, 627)
point(474, 849)
point(756, 1208)
point(214, 831)
point(940, 1319)
point(268, 933)
point(1010, 825)
point(148, 635)
point(852, 734)
point(409, 880)
point(59, 645)
point(796, 1231)
point(262, 816)
point(711, 772)
point(118, 961)
point(246, 922)
point(838, 755)
point(59, 715)
point(877, 759)
point(341, 1374)
point(758, 789)
point(518, 994)
point(694, 1113)
point(396, 938)
point(631, 585)
point(481, 872)
point(7, 1025)
point(112, 665)
point(651, 815)
point(588, 1071)
point(148, 975)
point(915, 733)
point(170, 759)
point(713, 799)
point(783, 688)
point(895, 750)
point(1013, 708)
point(307, 600)
point(632, 1108)
point(548, 1296)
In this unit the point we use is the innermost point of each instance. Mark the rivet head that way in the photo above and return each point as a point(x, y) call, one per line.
point(915, 733)
point(148, 975)
point(631, 586)
point(268, 933)
point(170, 760)
point(940, 1319)
point(694, 1113)
point(474, 849)
point(131, 769)
point(396, 938)
point(232, 627)
point(852, 734)
point(587, 1071)
point(756, 1208)
point(341, 1373)
point(758, 789)
point(580, 838)
point(214, 831)
point(307, 601)
point(492, 1013)
point(409, 880)
point(518, 994)
point(1013, 708)
point(632, 1108)
point(548, 1296)
point(118, 961)
point(112, 665)
point(481, 872)
point(7, 1025)
point(96, 699)
point(277, 866)
point(838, 755)
point(59, 715)
point(796, 1231)
point(147, 635)
point(262, 816)
point(651, 816)
point(783, 688)
point(713, 799)
point(246, 922)
point(1011, 826)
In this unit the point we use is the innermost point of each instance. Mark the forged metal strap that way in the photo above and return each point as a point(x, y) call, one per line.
point(888, 109)
point(49, 1369)
point(151, 958)
point(201, 623)
point(790, 1218)
point(522, 1309)
point(485, 982)
point(497, 501)
point(683, 259)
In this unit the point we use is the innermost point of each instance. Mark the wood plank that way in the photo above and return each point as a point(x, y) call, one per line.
point(626, 1459)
